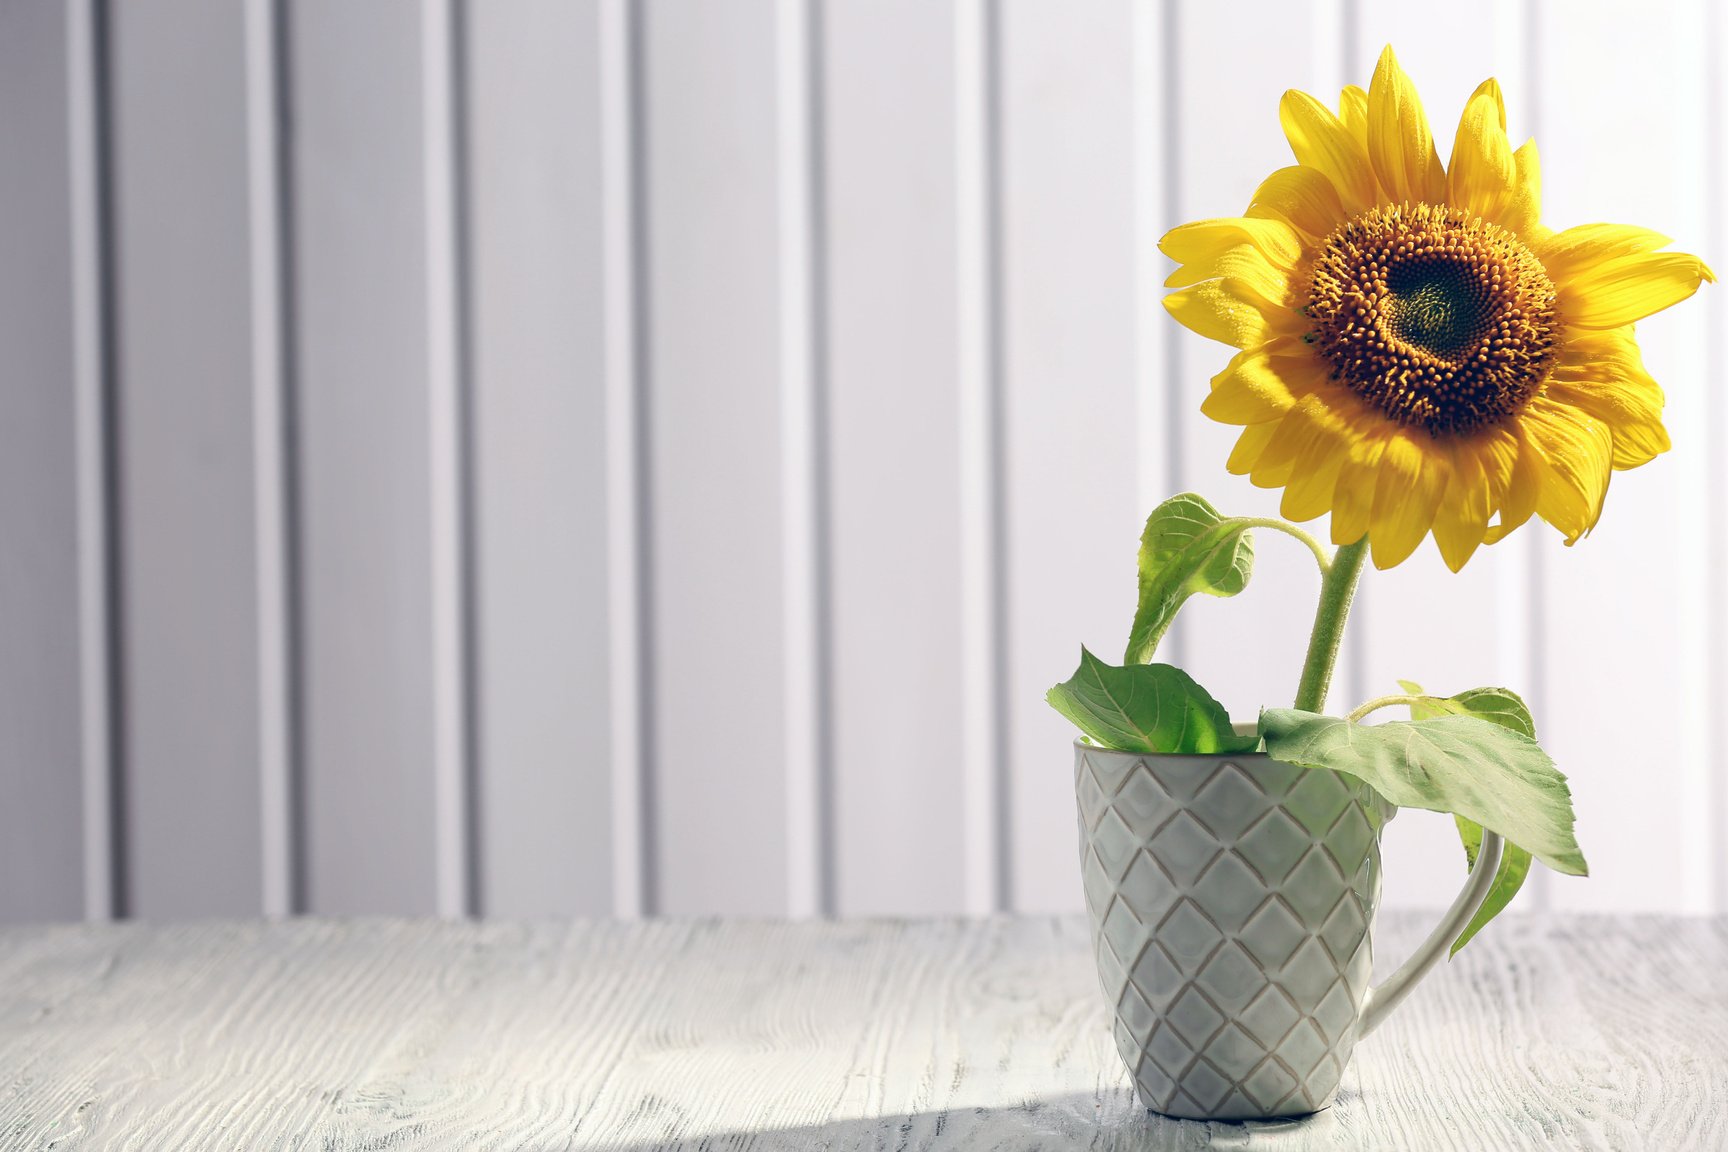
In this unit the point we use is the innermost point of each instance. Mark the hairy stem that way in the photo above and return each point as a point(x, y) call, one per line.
point(1337, 589)
point(1294, 532)
point(1380, 702)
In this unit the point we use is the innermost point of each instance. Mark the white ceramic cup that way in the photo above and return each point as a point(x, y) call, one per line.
point(1232, 900)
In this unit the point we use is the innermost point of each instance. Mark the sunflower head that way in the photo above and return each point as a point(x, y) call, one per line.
point(1416, 351)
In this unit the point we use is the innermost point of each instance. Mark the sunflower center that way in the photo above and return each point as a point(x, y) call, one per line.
point(1433, 316)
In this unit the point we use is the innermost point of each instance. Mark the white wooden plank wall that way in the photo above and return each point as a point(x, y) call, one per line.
point(650, 456)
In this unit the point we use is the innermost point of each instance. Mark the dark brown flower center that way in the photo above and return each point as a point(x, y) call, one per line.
point(1434, 316)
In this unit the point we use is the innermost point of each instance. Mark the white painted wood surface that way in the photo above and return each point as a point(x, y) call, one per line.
point(621, 455)
point(1547, 1032)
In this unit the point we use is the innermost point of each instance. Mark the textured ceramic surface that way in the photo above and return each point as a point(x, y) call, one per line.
point(1231, 900)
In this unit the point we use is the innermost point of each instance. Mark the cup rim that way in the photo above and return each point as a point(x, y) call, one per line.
point(1254, 755)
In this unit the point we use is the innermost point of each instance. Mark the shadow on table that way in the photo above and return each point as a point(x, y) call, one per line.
point(1112, 1123)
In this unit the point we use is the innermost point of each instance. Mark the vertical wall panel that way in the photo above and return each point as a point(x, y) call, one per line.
point(1420, 621)
point(894, 407)
point(189, 469)
point(714, 365)
point(1625, 609)
point(1069, 377)
point(1248, 650)
point(1716, 402)
point(48, 631)
point(536, 227)
point(372, 375)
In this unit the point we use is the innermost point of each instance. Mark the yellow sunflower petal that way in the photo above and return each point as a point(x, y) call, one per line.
point(1400, 146)
point(1602, 373)
point(1407, 491)
point(1244, 263)
point(1353, 494)
point(1257, 385)
point(1320, 141)
point(1574, 451)
point(1567, 255)
point(1231, 311)
point(1353, 111)
point(1208, 239)
point(1633, 417)
point(1482, 175)
point(1301, 197)
point(1618, 292)
point(1461, 520)
point(1524, 484)
point(1248, 447)
point(1319, 450)
point(1521, 211)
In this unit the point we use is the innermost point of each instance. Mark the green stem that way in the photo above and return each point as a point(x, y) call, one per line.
point(1289, 529)
point(1380, 702)
point(1337, 588)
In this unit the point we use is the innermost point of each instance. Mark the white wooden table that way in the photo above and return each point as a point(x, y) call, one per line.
point(1591, 1033)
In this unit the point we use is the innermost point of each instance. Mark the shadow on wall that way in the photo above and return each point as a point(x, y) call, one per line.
point(1102, 1123)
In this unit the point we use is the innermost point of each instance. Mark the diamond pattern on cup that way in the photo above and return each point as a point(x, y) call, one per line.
point(1189, 936)
point(1124, 932)
point(1225, 899)
point(1348, 839)
point(1274, 846)
point(1303, 1048)
point(1313, 889)
point(1272, 934)
point(1157, 974)
point(1133, 1011)
point(1317, 800)
point(1113, 843)
point(1091, 797)
point(1141, 798)
point(1309, 973)
point(1336, 1014)
point(1231, 979)
point(1206, 1085)
point(1184, 848)
point(1233, 1048)
point(1230, 892)
point(1168, 1050)
point(1194, 1018)
point(1269, 1083)
point(1147, 890)
point(1154, 1083)
point(1232, 802)
point(1100, 890)
point(1269, 1016)
point(1342, 932)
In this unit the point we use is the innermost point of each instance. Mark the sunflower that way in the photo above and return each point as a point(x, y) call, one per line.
point(1417, 352)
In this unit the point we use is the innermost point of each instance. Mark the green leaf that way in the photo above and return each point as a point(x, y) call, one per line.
point(1145, 708)
point(1499, 706)
point(1187, 547)
point(1508, 879)
point(1464, 765)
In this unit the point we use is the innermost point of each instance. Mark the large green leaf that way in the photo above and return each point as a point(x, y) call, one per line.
point(1463, 765)
point(1499, 706)
point(1145, 708)
point(1187, 547)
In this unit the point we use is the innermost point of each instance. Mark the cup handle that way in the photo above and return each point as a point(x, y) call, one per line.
point(1388, 995)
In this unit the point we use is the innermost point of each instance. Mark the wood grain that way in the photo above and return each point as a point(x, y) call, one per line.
point(1545, 1033)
